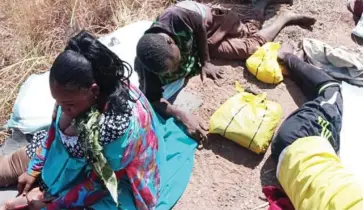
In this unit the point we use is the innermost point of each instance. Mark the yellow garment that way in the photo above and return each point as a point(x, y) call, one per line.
point(263, 64)
point(313, 177)
point(247, 119)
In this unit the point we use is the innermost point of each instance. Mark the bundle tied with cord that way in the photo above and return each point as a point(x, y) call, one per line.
point(247, 119)
point(263, 64)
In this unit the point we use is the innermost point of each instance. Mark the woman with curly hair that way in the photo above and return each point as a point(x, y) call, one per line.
point(106, 147)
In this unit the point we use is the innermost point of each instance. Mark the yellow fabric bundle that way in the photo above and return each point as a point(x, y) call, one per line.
point(263, 64)
point(247, 119)
point(313, 177)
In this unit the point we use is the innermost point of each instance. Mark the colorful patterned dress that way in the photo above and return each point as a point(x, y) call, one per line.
point(151, 158)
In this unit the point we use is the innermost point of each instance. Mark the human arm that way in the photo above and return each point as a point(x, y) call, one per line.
point(199, 30)
point(208, 69)
point(175, 20)
point(193, 126)
point(84, 194)
point(36, 163)
point(151, 86)
point(118, 153)
point(196, 23)
point(125, 156)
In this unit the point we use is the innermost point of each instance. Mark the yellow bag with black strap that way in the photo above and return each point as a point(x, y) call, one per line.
point(263, 64)
point(247, 119)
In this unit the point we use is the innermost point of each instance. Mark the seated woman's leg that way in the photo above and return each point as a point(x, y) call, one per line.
point(12, 166)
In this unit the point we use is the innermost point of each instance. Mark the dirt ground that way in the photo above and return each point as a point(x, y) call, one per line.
point(226, 175)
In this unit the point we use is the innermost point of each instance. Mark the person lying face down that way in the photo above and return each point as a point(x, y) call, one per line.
point(181, 41)
point(306, 144)
point(105, 148)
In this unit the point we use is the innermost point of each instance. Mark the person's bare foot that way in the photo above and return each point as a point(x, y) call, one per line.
point(303, 21)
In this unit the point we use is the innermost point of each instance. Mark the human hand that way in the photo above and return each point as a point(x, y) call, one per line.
point(36, 205)
point(194, 127)
point(23, 201)
point(37, 200)
point(211, 71)
point(40, 201)
point(25, 183)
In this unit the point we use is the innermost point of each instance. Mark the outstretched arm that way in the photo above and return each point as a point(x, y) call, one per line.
point(201, 37)
point(208, 70)
point(193, 126)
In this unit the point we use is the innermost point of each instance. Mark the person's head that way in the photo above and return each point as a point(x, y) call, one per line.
point(158, 53)
point(87, 73)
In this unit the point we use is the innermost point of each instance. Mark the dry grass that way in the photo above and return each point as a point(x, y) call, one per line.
point(32, 33)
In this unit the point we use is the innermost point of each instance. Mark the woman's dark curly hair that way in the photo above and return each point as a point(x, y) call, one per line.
point(86, 61)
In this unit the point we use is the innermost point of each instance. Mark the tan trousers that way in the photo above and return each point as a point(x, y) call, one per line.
point(12, 166)
point(233, 36)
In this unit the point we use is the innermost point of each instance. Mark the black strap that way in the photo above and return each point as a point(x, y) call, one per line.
point(256, 72)
point(241, 108)
point(261, 122)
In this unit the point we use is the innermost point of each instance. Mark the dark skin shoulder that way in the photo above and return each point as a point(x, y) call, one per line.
point(196, 23)
point(178, 18)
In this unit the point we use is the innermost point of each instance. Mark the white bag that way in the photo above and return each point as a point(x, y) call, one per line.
point(123, 43)
point(34, 105)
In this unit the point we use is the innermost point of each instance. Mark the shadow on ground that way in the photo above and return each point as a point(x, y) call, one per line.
point(295, 92)
point(250, 78)
point(242, 156)
point(268, 173)
point(232, 151)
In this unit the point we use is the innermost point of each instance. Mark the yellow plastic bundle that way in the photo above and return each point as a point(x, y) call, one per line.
point(313, 177)
point(263, 64)
point(247, 119)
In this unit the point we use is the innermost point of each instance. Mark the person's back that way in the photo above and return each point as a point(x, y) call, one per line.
point(201, 9)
